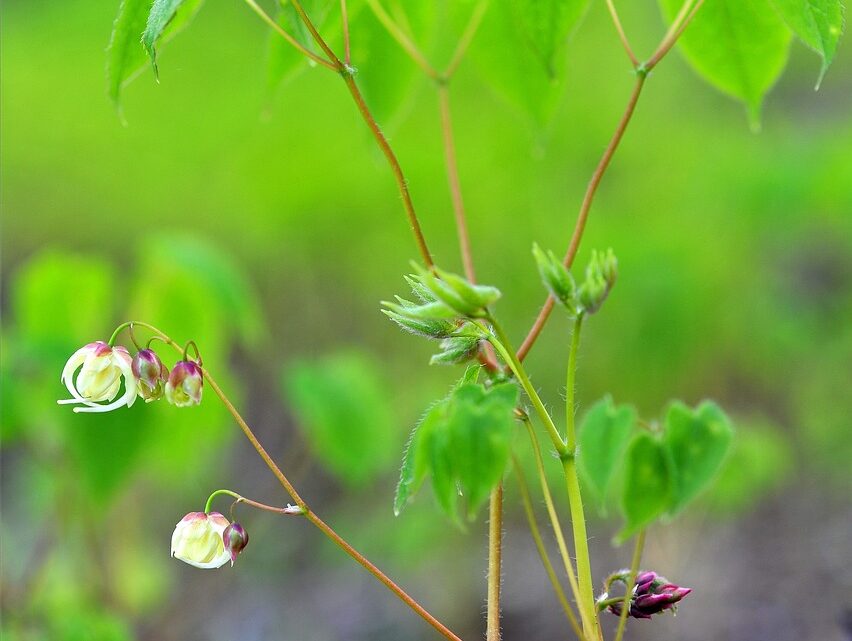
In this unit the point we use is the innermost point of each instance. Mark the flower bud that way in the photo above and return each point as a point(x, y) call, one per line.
point(456, 350)
point(185, 383)
point(102, 369)
point(651, 595)
point(150, 373)
point(556, 278)
point(600, 278)
point(235, 539)
point(198, 540)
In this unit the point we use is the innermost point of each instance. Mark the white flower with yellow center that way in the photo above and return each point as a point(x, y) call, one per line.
point(97, 385)
point(197, 540)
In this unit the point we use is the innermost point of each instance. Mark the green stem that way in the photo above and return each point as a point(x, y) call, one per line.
point(570, 431)
point(501, 343)
point(572, 483)
point(209, 503)
point(631, 583)
point(555, 524)
point(542, 551)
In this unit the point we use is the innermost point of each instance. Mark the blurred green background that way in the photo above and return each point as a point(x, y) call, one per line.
point(265, 225)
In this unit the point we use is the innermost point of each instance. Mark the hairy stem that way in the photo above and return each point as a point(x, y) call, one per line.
point(495, 552)
point(570, 384)
point(310, 515)
point(501, 343)
point(542, 551)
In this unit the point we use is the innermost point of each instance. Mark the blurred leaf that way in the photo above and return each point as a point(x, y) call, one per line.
point(648, 483)
point(166, 17)
point(697, 442)
point(415, 461)
point(546, 25)
point(197, 292)
point(63, 301)
point(759, 461)
point(386, 75)
point(817, 23)
point(343, 407)
point(603, 436)
point(738, 46)
point(520, 51)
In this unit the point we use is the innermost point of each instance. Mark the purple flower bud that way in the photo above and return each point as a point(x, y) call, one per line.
point(185, 384)
point(235, 538)
point(150, 373)
point(651, 595)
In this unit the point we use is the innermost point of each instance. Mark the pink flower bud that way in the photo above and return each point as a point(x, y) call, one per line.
point(197, 540)
point(185, 384)
point(651, 595)
point(151, 375)
point(235, 538)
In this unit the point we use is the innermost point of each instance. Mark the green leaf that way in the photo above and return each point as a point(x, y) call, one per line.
point(697, 442)
point(480, 427)
point(166, 18)
point(520, 51)
point(648, 483)
point(125, 54)
point(603, 436)
point(415, 462)
point(463, 441)
point(817, 23)
point(344, 412)
point(738, 46)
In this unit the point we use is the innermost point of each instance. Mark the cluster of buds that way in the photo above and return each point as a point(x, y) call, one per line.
point(208, 541)
point(652, 594)
point(601, 273)
point(95, 373)
point(446, 307)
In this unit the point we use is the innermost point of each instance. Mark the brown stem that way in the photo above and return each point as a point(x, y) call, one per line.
point(281, 32)
point(454, 183)
point(586, 206)
point(347, 49)
point(381, 576)
point(680, 23)
point(313, 518)
point(495, 554)
point(621, 35)
point(402, 184)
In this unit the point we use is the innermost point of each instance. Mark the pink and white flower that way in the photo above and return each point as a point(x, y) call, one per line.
point(96, 387)
point(197, 540)
point(185, 384)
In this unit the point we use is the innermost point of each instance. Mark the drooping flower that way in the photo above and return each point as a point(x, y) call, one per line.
point(235, 539)
point(101, 371)
point(150, 373)
point(652, 594)
point(185, 384)
point(197, 540)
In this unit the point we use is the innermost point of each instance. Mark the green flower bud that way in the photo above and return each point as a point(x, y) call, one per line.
point(465, 298)
point(456, 350)
point(601, 274)
point(556, 278)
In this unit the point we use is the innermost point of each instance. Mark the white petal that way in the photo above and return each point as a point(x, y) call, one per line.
point(95, 407)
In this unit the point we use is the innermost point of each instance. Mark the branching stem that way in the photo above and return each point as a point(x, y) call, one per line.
point(300, 502)
point(542, 550)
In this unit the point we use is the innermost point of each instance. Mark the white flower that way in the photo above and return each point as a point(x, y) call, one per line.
point(98, 383)
point(197, 540)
